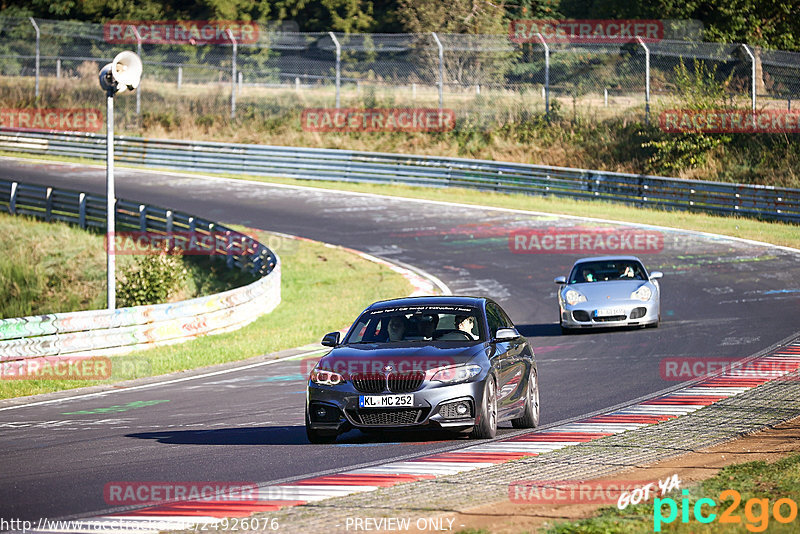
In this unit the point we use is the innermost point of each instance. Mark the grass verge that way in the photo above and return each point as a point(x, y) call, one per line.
point(56, 267)
point(323, 289)
point(764, 483)
point(49, 268)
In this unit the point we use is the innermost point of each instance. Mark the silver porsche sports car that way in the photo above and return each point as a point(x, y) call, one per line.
point(609, 291)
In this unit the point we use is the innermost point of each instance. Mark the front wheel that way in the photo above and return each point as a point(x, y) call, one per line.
point(319, 436)
point(486, 422)
point(530, 417)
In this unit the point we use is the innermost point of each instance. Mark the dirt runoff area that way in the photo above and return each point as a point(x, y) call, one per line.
point(534, 509)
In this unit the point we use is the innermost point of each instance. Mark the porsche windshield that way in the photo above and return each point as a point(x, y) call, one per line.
point(418, 324)
point(607, 270)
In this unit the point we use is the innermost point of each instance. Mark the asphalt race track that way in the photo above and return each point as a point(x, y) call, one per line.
point(721, 298)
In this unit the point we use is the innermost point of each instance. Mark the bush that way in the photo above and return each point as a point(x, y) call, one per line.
point(152, 279)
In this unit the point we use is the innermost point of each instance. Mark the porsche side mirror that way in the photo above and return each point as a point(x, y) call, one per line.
point(560, 280)
point(655, 275)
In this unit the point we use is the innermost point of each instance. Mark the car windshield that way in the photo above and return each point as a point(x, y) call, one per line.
point(418, 324)
point(607, 270)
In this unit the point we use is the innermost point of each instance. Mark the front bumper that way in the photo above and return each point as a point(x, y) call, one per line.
point(618, 313)
point(434, 407)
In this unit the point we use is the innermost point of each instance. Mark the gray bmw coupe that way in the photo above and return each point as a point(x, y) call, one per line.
point(454, 363)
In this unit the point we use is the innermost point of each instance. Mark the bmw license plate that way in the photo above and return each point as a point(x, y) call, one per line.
point(609, 312)
point(385, 401)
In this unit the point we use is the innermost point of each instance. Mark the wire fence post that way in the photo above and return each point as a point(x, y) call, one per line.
point(233, 73)
point(546, 76)
point(441, 71)
point(752, 76)
point(139, 53)
point(646, 80)
point(38, 37)
point(338, 67)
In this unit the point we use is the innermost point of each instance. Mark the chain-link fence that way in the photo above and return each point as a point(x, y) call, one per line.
point(484, 79)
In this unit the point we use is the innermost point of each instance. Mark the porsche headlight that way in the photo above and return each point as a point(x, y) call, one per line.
point(574, 297)
point(643, 293)
point(326, 378)
point(454, 374)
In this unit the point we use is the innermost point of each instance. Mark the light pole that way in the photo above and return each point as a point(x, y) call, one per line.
point(122, 74)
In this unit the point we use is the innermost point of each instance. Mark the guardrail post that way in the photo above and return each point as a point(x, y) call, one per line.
point(48, 204)
point(752, 77)
point(142, 218)
point(38, 36)
point(180, 76)
point(233, 73)
point(646, 80)
point(192, 225)
point(58, 68)
point(82, 210)
point(169, 221)
point(440, 83)
point(229, 248)
point(338, 67)
point(546, 76)
point(12, 199)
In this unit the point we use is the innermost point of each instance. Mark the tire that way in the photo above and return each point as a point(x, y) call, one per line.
point(530, 417)
point(486, 422)
point(319, 436)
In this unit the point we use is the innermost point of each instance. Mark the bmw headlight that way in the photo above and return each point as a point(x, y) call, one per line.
point(643, 293)
point(326, 378)
point(454, 374)
point(574, 297)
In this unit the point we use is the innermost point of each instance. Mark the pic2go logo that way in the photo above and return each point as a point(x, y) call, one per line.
point(756, 511)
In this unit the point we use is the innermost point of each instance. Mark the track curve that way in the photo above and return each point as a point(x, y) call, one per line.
point(721, 298)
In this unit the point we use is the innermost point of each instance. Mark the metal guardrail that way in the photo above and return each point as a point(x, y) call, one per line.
point(764, 202)
point(103, 332)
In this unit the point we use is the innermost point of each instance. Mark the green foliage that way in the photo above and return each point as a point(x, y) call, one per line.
point(152, 279)
point(697, 89)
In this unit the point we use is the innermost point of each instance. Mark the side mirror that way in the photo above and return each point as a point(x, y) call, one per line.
point(655, 275)
point(331, 340)
point(506, 334)
point(560, 280)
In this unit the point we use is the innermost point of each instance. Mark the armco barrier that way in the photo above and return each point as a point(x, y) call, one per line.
point(345, 165)
point(103, 332)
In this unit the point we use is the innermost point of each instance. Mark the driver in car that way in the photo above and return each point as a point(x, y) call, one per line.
point(466, 323)
point(396, 328)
